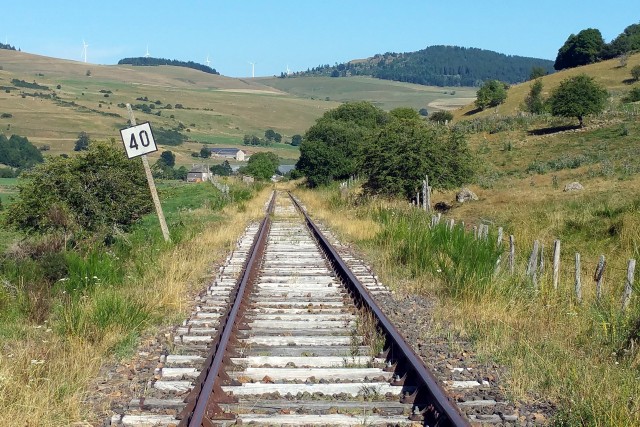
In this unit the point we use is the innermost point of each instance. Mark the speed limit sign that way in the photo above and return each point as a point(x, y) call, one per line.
point(138, 140)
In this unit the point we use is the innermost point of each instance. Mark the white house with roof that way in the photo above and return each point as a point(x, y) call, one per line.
point(199, 173)
point(229, 153)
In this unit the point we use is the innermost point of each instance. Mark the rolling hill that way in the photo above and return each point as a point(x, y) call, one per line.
point(208, 108)
point(439, 66)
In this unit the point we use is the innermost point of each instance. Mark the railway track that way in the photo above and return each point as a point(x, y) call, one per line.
point(289, 333)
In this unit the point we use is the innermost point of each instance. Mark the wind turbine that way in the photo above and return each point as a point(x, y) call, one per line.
point(146, 55)
point(84, 50)
point(253, 69)
point(288, 70)
point(207, 61)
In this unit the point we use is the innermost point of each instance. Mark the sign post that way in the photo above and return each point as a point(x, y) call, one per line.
point(138, 141)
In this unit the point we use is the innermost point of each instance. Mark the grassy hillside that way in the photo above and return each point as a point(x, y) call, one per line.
point(383, 93)
point(217, 109)
point(608, 73)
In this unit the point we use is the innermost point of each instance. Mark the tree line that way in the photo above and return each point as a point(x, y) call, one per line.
point(588, 47)
point(149, 61)
point(440, 66)
point(17, 152)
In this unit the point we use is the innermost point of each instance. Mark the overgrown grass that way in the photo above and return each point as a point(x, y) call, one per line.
point(464, 265)
point(583, 356)
point(105, 299)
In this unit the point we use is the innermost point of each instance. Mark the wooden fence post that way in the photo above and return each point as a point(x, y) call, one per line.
point(556, 263)
point(533, 259)
point(628, 286)
point(598, 275)
point(541, 265)
point(427, 197)
point(500, 232)
point(578, 284)
point(512, 254)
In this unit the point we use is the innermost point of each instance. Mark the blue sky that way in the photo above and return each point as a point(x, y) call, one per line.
point(302, 33)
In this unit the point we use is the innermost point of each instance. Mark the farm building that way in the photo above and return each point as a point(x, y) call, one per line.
point(229, 153)
point(198, 173)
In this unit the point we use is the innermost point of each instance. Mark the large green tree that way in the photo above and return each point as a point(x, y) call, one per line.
point(578, 97)
point(406, 150)
point(580, 49)
point(18, 152)
point(168, 158)
point(332, 147)
point(262, 166)
point(627, 41)
point(97, 190)
point(491, 94)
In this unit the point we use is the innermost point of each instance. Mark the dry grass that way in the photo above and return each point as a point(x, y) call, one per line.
point(608, 73)
point(557, 349)
point(44, 377)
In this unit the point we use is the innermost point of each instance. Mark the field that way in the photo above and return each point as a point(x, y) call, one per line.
point(213, 109)
point(385, 94)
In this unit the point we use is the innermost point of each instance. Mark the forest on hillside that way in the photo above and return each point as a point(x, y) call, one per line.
point(440, 66)
point(149, 61)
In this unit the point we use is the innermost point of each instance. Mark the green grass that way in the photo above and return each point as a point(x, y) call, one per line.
point(465, 265)
point(384, 93)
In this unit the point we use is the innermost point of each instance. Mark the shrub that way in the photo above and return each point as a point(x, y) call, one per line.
point(633, 95)
point(98, 189)
point(441, 116)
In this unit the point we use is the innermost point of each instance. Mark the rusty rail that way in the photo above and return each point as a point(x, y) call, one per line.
point(202, 402)
point(430, 401)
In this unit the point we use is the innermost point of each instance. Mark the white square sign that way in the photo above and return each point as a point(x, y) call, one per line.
point(138, 140)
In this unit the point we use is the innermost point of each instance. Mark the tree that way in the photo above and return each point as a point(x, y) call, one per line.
point(205, 153)
point(441, 116)
point(635, 72)
point(82, 143)
point(633, 95)
point(491, 94)
point(578, 97)
point(97, 190)
point(18, 152)
point(581, 49)
point(223, 169)
point(270, 134)
point(332, 147)
point(262, 166)
point(534, 102)
point(405, 150)
point(628, 41)
point(168, 158)
point(296, 140)
point(537, 72)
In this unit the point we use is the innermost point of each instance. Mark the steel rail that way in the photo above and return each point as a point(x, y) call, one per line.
point(196, 414)
point(430, 398)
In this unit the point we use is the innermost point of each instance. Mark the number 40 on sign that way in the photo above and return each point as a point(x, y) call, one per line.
point(138, 140)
